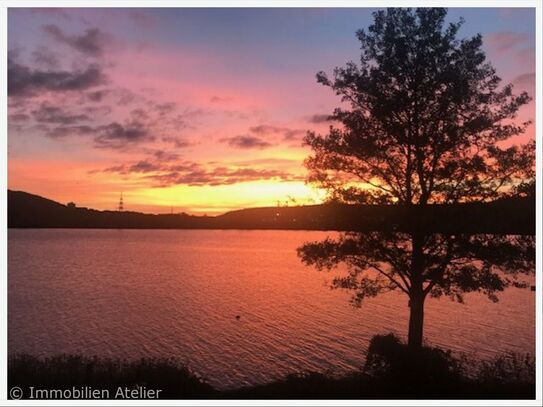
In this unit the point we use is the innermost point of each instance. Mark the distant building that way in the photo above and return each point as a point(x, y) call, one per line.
point(71, 205)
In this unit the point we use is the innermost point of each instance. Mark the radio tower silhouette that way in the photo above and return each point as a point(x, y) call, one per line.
point(121, 206)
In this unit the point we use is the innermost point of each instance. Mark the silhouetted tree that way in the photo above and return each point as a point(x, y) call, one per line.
point(423, 121)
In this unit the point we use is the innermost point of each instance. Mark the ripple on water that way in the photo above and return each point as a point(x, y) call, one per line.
point(134, 293)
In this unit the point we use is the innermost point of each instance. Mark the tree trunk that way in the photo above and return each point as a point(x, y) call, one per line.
point(416, 293)
point(416, 321)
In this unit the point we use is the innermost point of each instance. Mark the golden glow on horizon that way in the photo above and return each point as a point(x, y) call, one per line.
point(222, 198)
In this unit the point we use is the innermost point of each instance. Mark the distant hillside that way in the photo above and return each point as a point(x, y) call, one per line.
point(508, 216)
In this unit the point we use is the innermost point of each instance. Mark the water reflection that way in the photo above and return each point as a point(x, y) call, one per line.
point(176, 293)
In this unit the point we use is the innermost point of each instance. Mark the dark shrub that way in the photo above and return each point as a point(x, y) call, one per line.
point(389, 358)
point(68, 371)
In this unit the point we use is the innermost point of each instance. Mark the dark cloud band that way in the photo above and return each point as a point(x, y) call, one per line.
point(91, 43)
point(25, 81)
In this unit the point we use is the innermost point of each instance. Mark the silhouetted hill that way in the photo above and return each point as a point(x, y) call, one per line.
point(507, 216)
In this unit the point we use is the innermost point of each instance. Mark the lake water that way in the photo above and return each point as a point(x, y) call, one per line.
point(176, 293)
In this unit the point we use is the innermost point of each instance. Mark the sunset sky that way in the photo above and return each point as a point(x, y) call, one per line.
point(202, 110)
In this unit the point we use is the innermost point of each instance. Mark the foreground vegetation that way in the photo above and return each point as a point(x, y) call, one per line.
point(391, 372)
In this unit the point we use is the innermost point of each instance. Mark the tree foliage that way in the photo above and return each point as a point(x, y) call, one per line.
point(379, 262)
point(424, 118)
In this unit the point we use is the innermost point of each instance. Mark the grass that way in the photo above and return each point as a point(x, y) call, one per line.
point(391, 372)
point(68, 371)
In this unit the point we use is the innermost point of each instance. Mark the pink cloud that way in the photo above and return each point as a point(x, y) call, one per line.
point(506, 41)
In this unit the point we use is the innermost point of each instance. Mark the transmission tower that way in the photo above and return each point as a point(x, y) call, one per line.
point(121, 206)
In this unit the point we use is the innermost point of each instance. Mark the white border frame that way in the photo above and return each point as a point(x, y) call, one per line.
point(537, 4)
